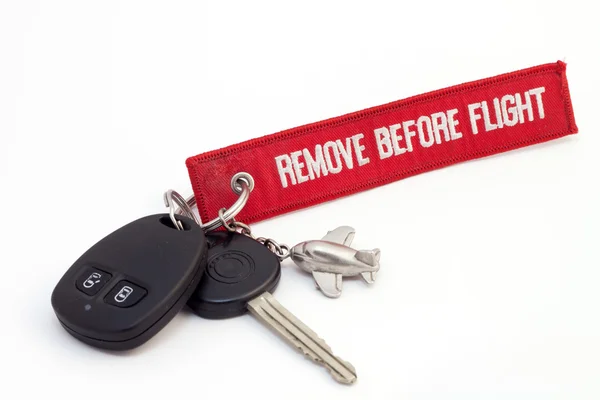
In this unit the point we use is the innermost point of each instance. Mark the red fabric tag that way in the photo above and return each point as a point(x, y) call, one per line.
point(314, 163)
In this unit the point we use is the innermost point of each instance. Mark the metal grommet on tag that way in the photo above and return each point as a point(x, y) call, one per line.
point(246, 182)
point(236, 180)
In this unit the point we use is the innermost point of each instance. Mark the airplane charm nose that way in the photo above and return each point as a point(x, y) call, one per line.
point(298, 251)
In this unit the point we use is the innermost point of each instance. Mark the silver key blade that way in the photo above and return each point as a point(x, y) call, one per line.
point(266, 308)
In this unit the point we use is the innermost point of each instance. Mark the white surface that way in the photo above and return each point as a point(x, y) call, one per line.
point(490, 279)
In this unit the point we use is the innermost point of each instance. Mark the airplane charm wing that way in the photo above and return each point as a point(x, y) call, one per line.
point(329, 283)
point(342, 235)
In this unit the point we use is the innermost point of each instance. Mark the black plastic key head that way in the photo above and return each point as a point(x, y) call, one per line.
point(130, 284)
point(238, 270)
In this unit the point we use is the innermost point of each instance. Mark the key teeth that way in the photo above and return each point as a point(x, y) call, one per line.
point(317, 360)
point(336, 375)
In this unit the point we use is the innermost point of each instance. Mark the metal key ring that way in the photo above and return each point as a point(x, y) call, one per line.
point(171, 198)
point(242, 183)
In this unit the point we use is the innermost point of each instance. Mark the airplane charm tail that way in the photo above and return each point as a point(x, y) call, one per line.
point(370, 257)
point(369, 277)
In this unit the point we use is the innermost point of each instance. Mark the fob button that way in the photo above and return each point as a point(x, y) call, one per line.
point(92, 280)
point(231, 267)
point(125, 294)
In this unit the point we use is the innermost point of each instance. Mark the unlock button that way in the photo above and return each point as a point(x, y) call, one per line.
point(125, 294)
point(91, 280)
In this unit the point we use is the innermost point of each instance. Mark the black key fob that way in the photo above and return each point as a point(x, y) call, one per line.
point(130, 284)
point(238, 270)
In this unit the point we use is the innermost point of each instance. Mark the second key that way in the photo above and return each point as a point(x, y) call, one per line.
point(241, 273)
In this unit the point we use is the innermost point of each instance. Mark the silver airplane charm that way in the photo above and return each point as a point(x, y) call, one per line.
point(331, 258)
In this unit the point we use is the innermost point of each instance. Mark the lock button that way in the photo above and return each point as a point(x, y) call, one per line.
point(92, 280)
point(125, 294)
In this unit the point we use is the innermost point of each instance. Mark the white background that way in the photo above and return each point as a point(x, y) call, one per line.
point(490, 278)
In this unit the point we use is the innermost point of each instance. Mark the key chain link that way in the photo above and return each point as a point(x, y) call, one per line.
point(282, 251)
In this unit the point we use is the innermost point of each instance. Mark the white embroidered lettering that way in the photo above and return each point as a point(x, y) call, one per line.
point(396, 138)
point(346, 152)
point(285, 169)
point(537, 92)
point(316, 166)
point(474, 117)
point(452, 123)
point(329, 149)
point(498, 112)
point(298, 165)
point(424, 120)
point(439, 123)
point(489, 126)
point(524, 107)
point(408, 134)
point(384, 145)
point(509, 121)
point(358, 149)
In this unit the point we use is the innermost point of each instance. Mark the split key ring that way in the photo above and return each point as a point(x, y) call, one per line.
point(242, 184)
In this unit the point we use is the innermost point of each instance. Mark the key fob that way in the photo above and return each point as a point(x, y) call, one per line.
point(238, 269)
point(130, 284)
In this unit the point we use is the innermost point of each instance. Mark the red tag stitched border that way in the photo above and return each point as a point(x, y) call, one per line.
point(311, 164)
